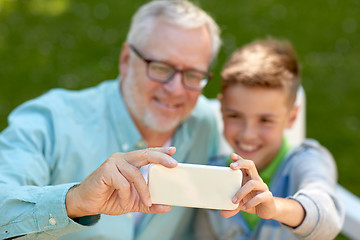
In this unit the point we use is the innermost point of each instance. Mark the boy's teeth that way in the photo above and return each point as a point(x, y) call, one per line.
point(248, 147)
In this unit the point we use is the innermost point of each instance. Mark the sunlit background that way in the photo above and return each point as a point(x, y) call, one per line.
point(47, 44)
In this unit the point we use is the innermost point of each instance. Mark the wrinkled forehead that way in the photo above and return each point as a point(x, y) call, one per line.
point(181, 47)
point(146, 30)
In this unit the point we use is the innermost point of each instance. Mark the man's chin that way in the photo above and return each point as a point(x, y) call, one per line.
point(163, 128)
point(162, 125)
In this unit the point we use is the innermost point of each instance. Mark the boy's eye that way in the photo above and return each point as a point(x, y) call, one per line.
point(232, 116)
point(266, 120)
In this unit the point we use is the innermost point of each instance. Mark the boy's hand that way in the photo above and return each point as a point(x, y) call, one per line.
point(254, 196)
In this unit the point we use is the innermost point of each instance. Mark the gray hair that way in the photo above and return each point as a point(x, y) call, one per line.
point(181, 13)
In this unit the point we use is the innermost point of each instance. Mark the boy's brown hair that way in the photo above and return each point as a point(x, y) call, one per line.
point(267, 63)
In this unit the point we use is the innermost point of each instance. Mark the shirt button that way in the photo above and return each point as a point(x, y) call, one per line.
point(141, 144)
point(125, 147)
point(52, 221)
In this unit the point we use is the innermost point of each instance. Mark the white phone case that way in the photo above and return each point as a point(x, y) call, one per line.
point(192, 185)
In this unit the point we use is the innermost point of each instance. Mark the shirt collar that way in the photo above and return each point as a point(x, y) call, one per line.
point(129, 137)
point(269, 171)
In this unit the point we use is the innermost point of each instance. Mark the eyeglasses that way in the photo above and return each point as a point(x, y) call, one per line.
point(163, 72)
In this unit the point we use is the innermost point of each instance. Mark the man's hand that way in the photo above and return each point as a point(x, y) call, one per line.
point(117, 186)
point(255, 197)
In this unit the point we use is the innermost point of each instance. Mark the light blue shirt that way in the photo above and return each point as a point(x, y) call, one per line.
point(55, 141)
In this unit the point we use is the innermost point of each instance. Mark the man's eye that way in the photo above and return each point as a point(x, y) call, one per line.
point(159, 68)
point(194, 76)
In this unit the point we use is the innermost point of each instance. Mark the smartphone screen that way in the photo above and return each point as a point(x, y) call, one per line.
point(193, 185)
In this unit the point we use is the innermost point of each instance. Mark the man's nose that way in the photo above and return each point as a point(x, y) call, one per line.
point(175, 85)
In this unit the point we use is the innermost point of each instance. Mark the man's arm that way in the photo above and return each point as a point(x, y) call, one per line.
point(29, 205)
point(116, 187)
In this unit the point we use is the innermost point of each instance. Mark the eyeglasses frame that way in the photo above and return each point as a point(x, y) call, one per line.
point(177, 70)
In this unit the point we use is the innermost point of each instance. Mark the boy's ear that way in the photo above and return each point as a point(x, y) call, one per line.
point(293, 115)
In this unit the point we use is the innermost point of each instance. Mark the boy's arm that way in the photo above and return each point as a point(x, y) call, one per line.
point(314, 178)
point(289, 212)
point(314, 181)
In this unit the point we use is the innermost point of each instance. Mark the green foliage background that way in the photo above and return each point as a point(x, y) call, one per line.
point(75, 44)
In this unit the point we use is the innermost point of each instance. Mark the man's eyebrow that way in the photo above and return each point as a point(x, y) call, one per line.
point(186, 67)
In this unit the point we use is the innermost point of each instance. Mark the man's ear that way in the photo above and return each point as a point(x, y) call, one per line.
point(293, 116)
point(124, 59)
point(219, 97)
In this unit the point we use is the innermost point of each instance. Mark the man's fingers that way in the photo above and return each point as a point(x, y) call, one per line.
point(168, 150)
point(157, 208)
point(143, 157)
point(121, 185)
point(135, 177)
point(124, 171)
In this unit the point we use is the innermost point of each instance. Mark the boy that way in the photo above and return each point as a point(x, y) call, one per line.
point(287, 193)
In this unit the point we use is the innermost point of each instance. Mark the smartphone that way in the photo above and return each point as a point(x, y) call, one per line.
point(194, 185)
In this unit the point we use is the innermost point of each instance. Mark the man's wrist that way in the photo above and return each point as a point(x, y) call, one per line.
point(87, 220)
point(71, 208)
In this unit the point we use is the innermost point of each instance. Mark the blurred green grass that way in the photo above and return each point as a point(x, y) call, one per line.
point(75, 44)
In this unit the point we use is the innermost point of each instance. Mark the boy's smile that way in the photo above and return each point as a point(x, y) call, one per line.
point(254, 121)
